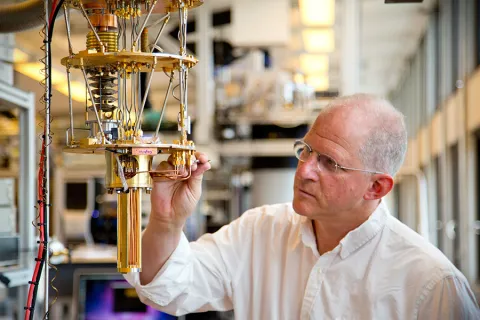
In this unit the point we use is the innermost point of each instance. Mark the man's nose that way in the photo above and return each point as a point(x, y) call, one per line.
point(308, 169)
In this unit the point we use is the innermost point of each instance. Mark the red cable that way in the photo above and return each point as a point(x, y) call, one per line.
point(42, 232)
point(54, 5)
point(40, 178)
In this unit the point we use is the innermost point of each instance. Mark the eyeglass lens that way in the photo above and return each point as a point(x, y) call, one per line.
point(324, 162)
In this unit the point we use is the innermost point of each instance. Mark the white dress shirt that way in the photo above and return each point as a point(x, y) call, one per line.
point(265, 265)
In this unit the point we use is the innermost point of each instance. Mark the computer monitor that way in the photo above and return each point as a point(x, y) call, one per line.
point(78, 206)
point(107, 295)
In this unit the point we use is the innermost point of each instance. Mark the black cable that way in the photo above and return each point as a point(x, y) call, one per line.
point(44, 204)
point(55, 13)
point(35, 287)
point(49, 96)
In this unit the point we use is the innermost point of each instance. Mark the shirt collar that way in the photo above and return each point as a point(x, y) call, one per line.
point(355, 238)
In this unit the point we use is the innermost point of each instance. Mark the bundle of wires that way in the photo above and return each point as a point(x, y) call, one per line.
point(42, 175)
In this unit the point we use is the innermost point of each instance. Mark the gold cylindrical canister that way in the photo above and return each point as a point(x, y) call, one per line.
point(135, 170)
point(129, 228)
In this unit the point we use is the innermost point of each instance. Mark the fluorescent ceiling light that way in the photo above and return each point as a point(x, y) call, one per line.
point(77, 89)
point(34, 70)
point(19, 56)
point(314, 63)
point(320, 83)
point(319, 40)
point(317, 12)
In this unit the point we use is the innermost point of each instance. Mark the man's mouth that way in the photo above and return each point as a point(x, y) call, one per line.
point(306, 193)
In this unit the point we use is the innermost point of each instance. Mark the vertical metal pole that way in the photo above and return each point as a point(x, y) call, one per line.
point(47, 158)
point(67, 25)
point(145, 96)
point(469, 255)
point(350, 69)
point(205, 92)
point(182, 123)
point(167, 18)
point(70, 107)
point(164, 104)
point(135, 42)
point(204, 76)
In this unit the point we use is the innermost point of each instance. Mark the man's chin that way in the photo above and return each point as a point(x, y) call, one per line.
point(301, 208)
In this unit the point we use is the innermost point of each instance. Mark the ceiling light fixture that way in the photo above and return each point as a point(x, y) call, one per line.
point(19, 56)
point(77, 89)
point(319, 40)
point(317, 12)
point(34, 70)
point(314, 63)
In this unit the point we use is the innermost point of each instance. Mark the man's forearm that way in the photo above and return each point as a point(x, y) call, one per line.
point(158, 243)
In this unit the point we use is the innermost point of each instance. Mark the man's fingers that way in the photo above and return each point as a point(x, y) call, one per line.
point(201, 157)
point(164, 165)
point(201, 168)
point(200, 164)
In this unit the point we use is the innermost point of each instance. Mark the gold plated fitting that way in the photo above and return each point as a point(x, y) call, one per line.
point(144, 40)
point(109, 39)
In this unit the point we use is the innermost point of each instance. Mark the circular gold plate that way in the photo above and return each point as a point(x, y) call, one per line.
point(174, 5)
point(130, 61)
point(100, 148)
point(162, 6)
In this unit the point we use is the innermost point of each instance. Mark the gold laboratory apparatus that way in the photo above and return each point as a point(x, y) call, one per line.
point(117, 51)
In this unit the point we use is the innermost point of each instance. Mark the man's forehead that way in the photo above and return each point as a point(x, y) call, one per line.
point(348, 129)
point(350, 120)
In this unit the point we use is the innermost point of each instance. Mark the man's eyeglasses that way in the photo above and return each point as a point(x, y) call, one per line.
point(324, 162)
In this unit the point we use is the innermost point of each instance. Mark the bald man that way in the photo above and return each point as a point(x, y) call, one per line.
point(335, 252)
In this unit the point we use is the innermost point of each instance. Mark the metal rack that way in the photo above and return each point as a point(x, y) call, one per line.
point(12, 98)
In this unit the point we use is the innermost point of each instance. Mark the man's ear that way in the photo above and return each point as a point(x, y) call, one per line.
point(380, 186)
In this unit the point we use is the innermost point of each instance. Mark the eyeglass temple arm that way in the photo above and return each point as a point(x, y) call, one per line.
point(362, 170)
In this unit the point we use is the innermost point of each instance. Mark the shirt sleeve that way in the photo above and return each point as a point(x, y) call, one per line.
point(199, 276)
point(449, 298)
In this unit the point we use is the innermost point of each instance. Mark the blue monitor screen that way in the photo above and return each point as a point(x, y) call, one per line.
point(104, 297)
